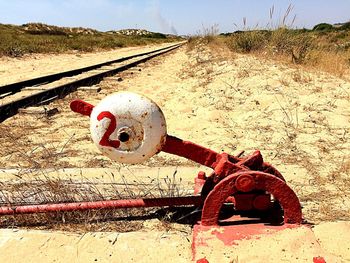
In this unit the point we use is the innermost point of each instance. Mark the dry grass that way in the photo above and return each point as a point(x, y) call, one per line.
point(20, 145)
point(326, 50)
point(204, 36)
point(45, 190)
point(326, 196)
point(329, 201)
point(295, 46)
point(333, 62)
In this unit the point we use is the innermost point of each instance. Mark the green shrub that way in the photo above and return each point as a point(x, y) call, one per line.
point(345, 26)
point(156, 35)
point(323, 27)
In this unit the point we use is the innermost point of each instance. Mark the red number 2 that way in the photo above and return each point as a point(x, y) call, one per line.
point(105, 140)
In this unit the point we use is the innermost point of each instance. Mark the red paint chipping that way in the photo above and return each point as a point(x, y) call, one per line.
point(319, 260)
point(231, 234)
point(105, 140)
point(199, 182)
point(81, 107)
point(202, 260)
point(196, 240)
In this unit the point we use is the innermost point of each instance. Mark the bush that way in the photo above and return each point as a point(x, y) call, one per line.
point(282, 42)
point(323, 27)
point(345, 26)
point(289, 42)
point(248, 41)
point(156, 35)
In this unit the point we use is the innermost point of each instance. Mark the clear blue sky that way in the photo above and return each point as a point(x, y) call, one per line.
point(170, 16)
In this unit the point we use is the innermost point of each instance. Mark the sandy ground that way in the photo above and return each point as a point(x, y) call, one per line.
point(297, 118)
point(94, 247)
point(32, 66)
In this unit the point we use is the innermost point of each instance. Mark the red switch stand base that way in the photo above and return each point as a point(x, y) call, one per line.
point(251, 212)
point(205, 239)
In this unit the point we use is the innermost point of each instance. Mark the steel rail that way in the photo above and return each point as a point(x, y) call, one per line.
point(13, 87)
point(11, 108)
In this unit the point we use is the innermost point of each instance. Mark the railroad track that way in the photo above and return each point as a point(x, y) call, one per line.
point(44, 89)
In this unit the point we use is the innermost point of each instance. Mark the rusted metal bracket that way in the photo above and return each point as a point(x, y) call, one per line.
point(235, 178)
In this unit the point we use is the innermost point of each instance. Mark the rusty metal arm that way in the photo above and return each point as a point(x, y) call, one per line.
point(190, 150)
point(108, 204)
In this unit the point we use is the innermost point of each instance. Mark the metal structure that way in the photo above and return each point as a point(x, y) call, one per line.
point(125, 122)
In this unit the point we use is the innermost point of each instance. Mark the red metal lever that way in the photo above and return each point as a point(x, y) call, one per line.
point(81, 107)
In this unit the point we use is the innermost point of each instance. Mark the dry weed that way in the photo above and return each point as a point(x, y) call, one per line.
point(45, 190)
point(20, 146)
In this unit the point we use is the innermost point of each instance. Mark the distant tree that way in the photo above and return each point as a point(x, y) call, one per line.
point(155, 35)
point(345, 26)
point(226, 34)
point(323, 27)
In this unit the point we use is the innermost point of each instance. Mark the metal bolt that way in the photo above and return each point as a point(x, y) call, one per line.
point(245, 183)
point(123, 137)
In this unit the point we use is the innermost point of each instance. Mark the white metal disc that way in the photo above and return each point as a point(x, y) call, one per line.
point(140, 127)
